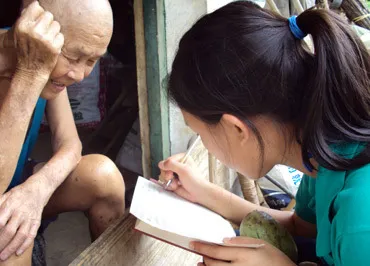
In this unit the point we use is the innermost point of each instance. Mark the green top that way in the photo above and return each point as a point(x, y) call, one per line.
point(339, 204)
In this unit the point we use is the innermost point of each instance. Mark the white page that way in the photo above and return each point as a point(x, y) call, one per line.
point(165, 210)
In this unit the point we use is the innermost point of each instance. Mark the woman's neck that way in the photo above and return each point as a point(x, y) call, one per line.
point(294, 159)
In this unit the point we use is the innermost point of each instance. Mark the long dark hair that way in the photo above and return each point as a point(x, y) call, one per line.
point(244, 60)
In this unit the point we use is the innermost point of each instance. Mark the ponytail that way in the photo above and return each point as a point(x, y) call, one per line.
point(337, 109)
point(246, 61)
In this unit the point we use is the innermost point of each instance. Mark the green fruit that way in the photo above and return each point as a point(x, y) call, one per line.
point(261, 225)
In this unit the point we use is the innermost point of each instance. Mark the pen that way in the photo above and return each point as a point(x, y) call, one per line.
point(183, 160)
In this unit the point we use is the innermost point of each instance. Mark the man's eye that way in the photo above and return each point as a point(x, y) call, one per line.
point(71, 59)
point(91, 62)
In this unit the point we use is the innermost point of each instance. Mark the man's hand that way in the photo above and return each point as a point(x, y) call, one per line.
point(38, 41)
point(239, 255)
point(20, 216)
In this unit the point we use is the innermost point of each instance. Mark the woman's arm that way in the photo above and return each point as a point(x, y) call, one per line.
point(234, 208)
point(196, 189)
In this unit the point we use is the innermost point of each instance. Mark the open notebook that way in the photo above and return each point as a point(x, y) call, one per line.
point(168, 217)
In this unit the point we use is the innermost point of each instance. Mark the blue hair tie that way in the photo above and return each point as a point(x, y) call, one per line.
point(297, 32)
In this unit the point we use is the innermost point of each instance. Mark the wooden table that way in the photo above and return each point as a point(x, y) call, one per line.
point(121, 245)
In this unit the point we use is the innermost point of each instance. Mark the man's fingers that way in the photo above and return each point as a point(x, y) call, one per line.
point(16, 243)
point(8, 232)
point(4, 217)
point(26, 244)
point(43, 22)
point(59, 42)
point(34, 227)
point(54, 29)
point(33, 11)
point(2, 199)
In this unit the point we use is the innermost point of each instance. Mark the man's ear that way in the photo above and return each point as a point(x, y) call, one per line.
point(235, 127)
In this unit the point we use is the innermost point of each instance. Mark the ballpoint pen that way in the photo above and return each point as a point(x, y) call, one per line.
point(183, 160)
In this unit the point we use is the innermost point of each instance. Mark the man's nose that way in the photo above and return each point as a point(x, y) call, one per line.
point(77, 74)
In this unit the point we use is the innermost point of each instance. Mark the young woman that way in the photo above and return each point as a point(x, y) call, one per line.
point(257, 96)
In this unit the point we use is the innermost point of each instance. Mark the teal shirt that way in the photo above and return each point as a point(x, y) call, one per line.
point(339, 204)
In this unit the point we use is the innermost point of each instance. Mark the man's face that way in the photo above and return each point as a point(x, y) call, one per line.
point(81, 50)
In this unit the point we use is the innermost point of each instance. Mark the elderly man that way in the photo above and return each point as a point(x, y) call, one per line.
point(53, 45)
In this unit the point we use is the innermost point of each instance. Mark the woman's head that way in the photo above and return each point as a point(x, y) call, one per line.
point(242, 68)
point(87, 27)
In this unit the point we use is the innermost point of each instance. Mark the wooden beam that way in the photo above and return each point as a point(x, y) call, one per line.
point(156, 73)
point(142, 87)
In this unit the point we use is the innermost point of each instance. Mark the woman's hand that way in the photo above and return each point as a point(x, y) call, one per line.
point(38, 41)
point(240, 256)
point(20, 216)
point(190, 185)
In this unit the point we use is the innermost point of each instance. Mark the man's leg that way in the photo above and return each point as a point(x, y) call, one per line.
point(95, 187)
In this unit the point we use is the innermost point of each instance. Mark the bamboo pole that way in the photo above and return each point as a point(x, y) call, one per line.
point(261, 198)
point(212, 167)
point(273, 6)
point(298, 6)
point(249, 189)
point(357, 12)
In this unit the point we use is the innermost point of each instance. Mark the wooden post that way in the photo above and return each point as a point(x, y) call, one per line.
point(152, 71)
point(142, 87)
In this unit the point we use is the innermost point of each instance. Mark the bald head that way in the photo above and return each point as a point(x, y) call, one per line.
point(87, 26)
point(91, 16)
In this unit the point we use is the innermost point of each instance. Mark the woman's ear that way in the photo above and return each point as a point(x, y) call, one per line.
point(235, 127)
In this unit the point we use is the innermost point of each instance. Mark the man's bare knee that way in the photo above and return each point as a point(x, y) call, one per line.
point(103, 176)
